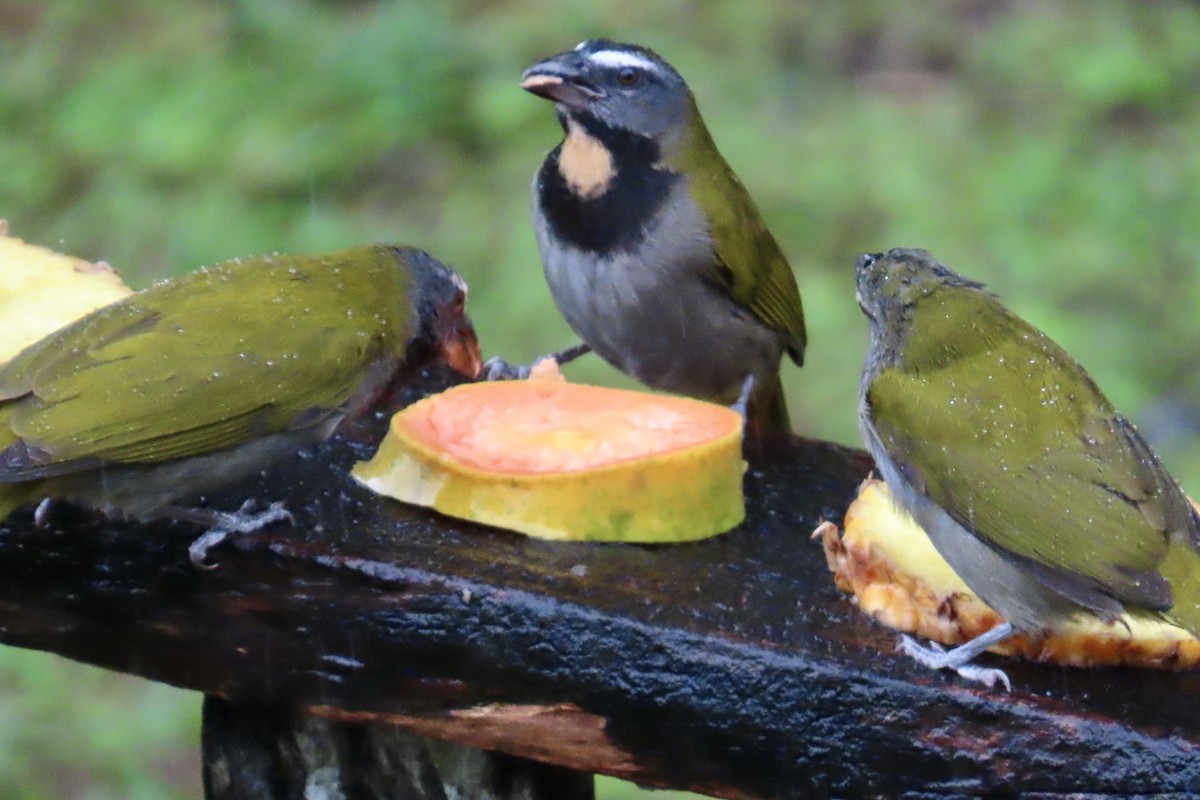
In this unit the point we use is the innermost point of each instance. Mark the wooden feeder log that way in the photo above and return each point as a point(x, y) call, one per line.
point(731, 667)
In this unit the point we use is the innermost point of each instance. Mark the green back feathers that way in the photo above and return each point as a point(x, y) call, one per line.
point(758, 274)
point(1182, 568)
point(1006, 432)
point(207, 361)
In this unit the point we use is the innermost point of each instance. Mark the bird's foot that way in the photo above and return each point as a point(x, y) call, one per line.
point(224, 523)
point(497, 369)
point(959, 659)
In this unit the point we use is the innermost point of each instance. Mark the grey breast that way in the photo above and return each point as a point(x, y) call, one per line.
point(657, 312)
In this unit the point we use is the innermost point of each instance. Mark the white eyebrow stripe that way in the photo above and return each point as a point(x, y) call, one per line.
point(621, 58)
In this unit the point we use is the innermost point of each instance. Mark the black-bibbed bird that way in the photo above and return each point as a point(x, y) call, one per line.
point(654, 252)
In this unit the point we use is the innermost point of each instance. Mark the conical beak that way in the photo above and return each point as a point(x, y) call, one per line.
point(563, 79)
point(460, 349)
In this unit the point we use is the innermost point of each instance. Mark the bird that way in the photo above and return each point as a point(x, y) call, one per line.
point(653, 250)
point(196, 382)
point(1044, 499)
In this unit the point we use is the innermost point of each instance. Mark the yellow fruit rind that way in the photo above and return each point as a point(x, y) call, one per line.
point(683, 495)
point(41, 291)
point(888, 563)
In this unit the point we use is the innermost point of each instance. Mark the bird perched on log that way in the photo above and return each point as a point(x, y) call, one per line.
point(194, 383)
point(654, 252)
point(1044, 499)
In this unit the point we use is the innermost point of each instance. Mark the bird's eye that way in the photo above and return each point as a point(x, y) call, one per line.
point(628, 76)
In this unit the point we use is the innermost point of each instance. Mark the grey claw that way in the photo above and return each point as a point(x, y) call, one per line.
point(497, 369)
point(923, 653)
point(241, 521)
point(198, 550)
point(988, 676)
point(277, 512)
point(494, 369)
point(41, 514)
point(743, 401)
point(934, 656)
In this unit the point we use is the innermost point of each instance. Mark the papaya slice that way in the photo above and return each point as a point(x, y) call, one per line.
point(885, 559)
point(558, 460)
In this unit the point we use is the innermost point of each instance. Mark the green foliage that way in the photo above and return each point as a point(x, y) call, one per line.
point(71, 731)
point(1047, 148)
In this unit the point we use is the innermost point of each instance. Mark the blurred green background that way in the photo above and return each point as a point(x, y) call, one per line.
point(1048, 148)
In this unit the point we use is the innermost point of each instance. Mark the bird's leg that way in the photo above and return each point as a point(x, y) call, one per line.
point(569, 354)
point(742, 404)
point(497, 369)
point(223, 523)
point(935, 656)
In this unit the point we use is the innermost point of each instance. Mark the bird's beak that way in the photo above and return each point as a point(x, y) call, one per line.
point(563, 79)
point(460, 348)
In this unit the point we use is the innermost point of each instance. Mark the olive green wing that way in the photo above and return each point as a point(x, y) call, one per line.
point(205, 362)
point(1006, 432)
point(750, 262)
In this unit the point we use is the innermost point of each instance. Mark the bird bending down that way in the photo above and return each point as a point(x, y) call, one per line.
point(194, 383)
point(653, 251)
point(1044, 499)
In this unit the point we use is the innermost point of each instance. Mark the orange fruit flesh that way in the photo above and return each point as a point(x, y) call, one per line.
point(543, 426)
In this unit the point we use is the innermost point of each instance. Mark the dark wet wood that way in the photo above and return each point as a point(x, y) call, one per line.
point(731, 667)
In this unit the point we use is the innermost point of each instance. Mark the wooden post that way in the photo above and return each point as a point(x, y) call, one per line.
point(265, 753)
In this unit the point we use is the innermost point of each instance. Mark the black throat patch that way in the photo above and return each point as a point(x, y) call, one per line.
point(616, 217)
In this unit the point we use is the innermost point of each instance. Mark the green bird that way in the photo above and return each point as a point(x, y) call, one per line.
point(194, 383)
point(653, 250)
point(1044, 499)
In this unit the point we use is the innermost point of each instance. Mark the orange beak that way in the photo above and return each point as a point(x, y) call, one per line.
point(460, 349)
